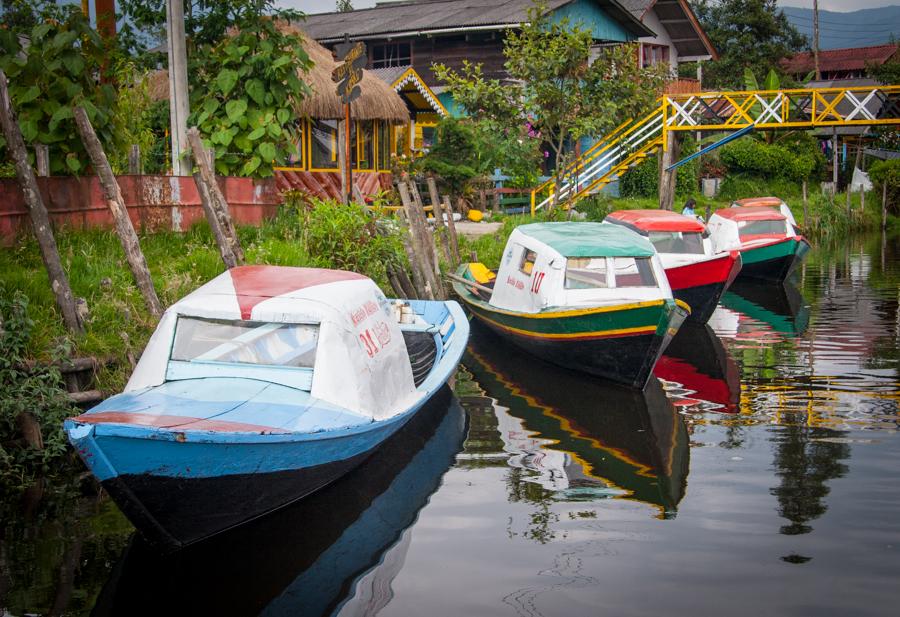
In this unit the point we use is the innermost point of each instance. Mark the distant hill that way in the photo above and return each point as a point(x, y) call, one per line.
point(855, 29)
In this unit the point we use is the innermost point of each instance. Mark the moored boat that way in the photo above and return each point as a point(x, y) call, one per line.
point(261, 387)
point(697, 274)
point(587, 296)
point(767, 239)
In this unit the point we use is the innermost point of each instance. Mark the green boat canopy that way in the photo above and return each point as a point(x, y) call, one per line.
point(590, 239)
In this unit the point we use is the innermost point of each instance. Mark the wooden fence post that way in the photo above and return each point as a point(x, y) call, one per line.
point(805, 205)
point(116, 205)
point(884, 204)
point(214, 204)
point(422, 253)
point(439, 221)
point(40, 220)
point(451, 226)
point(42, 160)
point(134, 160)
point(429, 243)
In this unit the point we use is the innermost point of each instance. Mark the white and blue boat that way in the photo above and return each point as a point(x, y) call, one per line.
point(260, 387)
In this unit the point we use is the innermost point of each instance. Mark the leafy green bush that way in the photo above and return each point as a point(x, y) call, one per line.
point(245, 90)
point(643, 180)
point(738, 186)
point(36, 391)
point(53, 67)
point(792, 161)
point(452, 157)
point(888, 172)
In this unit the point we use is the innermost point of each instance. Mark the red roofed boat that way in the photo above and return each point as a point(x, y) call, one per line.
point(767, 238)
point(697, 274)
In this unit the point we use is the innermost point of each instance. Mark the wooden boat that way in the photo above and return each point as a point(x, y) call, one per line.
point(588, 296)
point(767, 239)
point(260, 387)
point(697, 275)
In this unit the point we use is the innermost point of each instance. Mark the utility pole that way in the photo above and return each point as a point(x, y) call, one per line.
point(178, 87)
point(816, 38)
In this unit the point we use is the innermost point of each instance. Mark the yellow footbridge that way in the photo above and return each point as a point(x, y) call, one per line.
point(633, 141)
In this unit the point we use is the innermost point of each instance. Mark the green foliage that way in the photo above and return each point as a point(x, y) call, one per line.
point(245, 90)
point(135, 120)
point(795, 162)
point(887, 73)
point(343, 6)
point(56, 70)
point(554, 90)
point(451, 156)
point(752, 34)
point(36, 391)
point(887, 173)
point(643, 180)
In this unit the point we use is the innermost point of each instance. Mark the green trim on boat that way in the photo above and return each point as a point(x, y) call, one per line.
point(770, 251)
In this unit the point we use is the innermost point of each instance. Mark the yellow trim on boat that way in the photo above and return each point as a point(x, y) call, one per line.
point(578, 312)
point(683, 305)
point(572, 335)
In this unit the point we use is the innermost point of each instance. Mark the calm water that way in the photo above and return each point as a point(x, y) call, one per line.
point(758, 475)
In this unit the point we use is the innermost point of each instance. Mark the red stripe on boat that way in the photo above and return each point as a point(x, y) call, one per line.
point(751, 213)
point(174, 422)
point(702, 273)
point(255, 284)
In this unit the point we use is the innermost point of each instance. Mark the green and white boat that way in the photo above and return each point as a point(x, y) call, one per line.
point(588, 296)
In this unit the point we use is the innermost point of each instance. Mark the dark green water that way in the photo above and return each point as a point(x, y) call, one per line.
point(758, 475)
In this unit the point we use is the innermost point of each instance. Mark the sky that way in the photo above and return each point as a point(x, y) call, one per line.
point(324, 6)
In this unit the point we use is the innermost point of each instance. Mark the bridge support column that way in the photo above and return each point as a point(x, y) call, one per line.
point(668, 157)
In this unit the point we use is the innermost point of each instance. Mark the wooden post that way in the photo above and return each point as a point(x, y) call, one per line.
point(451, 226)
point(439, 222)
point(42, 160)
point(134, 160)
point(116, 205)
point(667, 178)
point(850, 184)
point(421, 252)
point(40, 220)
point(348, 187)
point(884, 204)
point(805, 204)
point(217, 208)
point(429, 242)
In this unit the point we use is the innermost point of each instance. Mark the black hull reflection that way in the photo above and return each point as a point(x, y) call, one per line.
point(697, 361)
point(779, 305)
point(305, 559)
point(614, 437)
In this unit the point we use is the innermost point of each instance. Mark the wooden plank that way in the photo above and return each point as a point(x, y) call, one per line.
point(40, 220)
point(451, 227)
point(113, 196)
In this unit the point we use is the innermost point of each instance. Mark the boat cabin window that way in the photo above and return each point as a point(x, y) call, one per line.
point(586, 273)
point(527, 263)
point(760, 228)
point(245, 342)
point(633, 272)
point(683, 242)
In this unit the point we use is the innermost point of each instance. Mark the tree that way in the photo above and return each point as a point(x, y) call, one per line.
point(52, 67)
point(553, 88)
point(752, 34)
point(344, 6)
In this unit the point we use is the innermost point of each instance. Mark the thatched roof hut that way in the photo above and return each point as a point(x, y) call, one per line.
point(377, 101)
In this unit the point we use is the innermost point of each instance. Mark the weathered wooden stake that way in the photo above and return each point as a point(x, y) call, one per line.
point(429, 243)
point(667, 178)
point(40, 220)
point(421, 253)
point(439, 222)
point(116, 205)
point(805, 206)
point(451, 226)
point(418, 282)
point(134, 160)
point(217, 206)
point(884, 205)
point(42, 160)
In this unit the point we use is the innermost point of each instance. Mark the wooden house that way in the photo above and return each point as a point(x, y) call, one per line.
point(418, 33)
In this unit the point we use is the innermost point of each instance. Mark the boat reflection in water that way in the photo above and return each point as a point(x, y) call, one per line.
point(335, 551)
point(699, 373)
point(761, 311)
point(579, 437)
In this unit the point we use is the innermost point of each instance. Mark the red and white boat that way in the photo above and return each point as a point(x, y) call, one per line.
point(697, 274)
point(770, 245)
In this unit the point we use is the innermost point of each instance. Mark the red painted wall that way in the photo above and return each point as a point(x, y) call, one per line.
point(154, 203)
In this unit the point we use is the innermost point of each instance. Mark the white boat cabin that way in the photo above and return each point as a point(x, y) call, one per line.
point(679, 239)
point(327, 332)
point(742, 227)
point(557, 265)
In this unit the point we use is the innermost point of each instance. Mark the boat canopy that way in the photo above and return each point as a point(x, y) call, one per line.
point(356, 350)
point(774, 202)
point(547, 265)
point(751, 213)
point(644, 221)
point(588, 240)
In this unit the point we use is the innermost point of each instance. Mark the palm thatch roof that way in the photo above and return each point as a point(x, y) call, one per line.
point(377, 101)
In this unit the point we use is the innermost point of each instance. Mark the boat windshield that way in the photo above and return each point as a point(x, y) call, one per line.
point(592, 272)
point(245, 342)
point(684, 242)
point(586, 273)
point(633, 272)
point(760, 228)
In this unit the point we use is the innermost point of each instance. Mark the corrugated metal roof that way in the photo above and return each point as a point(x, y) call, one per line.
point(415, 16)
point(637, 7)
point(848, 59)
